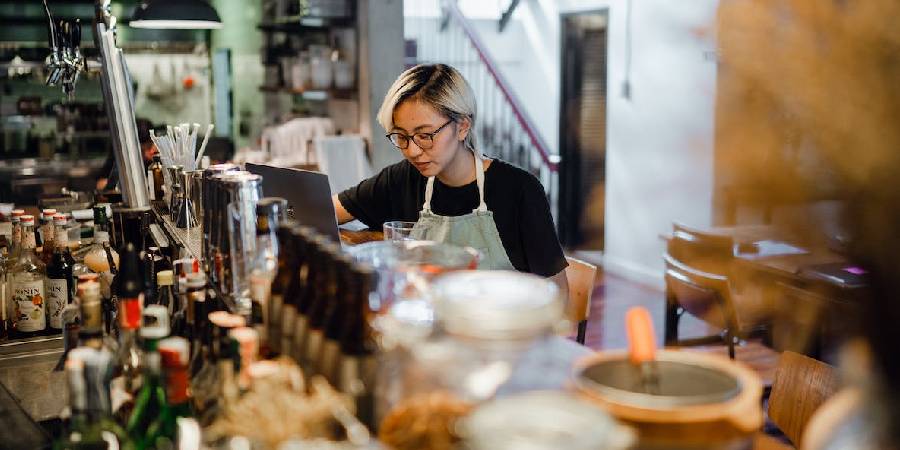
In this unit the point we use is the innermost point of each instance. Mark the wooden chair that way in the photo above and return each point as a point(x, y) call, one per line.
point(581, 276)
point(801, 386)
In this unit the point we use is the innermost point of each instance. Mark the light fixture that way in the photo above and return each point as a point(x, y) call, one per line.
point(175, 14)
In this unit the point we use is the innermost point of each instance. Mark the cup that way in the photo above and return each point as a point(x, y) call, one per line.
point(398, 230)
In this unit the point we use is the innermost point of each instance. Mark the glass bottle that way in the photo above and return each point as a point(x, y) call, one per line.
point(335, 317)
point(315, 330)
point(130, 293)
point(44, 232)
point(150, 400)
point(156, 180)
point(197, 310)
point(28, 293)
point(101, 218)
point(161, 433)
point(60, 285)
point(165, 296)
point(47, 234)
point(90, 332)
point(279, 286)
point(95, 428)
point(357, 366)
point(311, 275)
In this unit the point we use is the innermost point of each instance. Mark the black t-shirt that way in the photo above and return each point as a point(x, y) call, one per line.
point(516, 198)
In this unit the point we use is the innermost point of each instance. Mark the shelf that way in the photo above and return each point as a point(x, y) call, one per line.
point(298, 24)
point(313, 94)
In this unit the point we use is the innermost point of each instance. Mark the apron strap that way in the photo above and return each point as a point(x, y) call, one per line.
point(479, 179)
point(429, 191)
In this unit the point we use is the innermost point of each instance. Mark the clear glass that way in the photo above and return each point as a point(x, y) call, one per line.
point(242, 235)
point(398, 230)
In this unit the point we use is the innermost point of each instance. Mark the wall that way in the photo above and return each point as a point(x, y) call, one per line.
point(161, 95)
point(660, 140)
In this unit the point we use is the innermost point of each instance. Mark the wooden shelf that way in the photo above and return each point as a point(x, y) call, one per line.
point(299, 24)
point(313, 94)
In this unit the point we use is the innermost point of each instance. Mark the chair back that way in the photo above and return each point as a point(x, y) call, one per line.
point(581, 276)
point(702, 294)
point(711, 253)
point(801, 385)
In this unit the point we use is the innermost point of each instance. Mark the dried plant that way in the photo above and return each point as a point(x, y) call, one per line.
point(822, 78)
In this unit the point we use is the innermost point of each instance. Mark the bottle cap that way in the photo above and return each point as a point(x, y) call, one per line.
point(224, 319)
point(174, 352)
point(86, 277)
point(165, 278)
point(196, 280)
point(88, 288)
point(59, 219)
point(27, 220)
point(18, 212)
point(155, 322)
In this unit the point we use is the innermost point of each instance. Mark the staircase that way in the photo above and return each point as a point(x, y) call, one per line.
point(504, 129)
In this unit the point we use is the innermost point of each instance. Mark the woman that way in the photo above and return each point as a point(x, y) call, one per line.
point(445, 184)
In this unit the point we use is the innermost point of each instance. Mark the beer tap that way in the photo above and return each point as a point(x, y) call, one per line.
point(66, 60)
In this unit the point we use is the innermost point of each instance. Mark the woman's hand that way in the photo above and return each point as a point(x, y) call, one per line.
point(340, 213)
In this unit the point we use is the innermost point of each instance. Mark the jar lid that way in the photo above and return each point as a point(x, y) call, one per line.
point(496, 304)
point(164, 278)
point(542, 420)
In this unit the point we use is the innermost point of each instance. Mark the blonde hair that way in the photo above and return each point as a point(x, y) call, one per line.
point(438, 85)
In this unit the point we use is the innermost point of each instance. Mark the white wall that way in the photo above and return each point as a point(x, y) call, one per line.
point(660, 141)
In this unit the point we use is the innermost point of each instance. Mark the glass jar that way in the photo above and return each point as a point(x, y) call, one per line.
point(484, 322)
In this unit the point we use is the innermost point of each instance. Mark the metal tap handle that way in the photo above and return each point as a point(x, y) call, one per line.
point(51, 29)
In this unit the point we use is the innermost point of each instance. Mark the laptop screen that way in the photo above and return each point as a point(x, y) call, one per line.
point(307, 193)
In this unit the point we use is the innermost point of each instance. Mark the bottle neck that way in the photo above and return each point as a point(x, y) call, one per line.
point(61, 237)
point(177, 385)
point(28, 242)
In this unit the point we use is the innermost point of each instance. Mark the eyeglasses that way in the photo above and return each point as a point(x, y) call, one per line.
point(424, 140)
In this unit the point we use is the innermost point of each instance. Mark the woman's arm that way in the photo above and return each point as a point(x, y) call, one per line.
point(340, 212)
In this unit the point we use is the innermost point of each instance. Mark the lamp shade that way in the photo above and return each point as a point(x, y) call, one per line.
point(175, 14)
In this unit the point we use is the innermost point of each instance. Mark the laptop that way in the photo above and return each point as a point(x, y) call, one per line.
point(308, 195)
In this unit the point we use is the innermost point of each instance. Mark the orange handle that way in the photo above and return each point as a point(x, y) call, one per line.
point(641, 340)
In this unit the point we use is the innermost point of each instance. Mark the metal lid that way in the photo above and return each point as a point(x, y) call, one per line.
point(542, 420)
point(496, 304)
point(27, 219)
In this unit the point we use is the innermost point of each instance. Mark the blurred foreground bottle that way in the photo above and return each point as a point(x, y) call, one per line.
point(150, 401)
point(91, 426)
point(161, 433)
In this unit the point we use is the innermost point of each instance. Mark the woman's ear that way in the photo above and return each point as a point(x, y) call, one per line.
point(463, 126)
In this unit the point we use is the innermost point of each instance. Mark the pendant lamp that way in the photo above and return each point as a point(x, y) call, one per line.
point(175, 14)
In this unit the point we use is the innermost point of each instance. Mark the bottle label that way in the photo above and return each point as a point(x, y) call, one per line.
point(28, 301)
point(92, 315)
point(57, 290)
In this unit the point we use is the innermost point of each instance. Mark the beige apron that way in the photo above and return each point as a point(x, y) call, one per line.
point(476, 229)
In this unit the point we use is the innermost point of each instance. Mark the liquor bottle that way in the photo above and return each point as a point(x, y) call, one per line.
point(150, 400)
point(315, 330)
point(6, 280)
point(60, 284)
point(248, 347)
point(279, 286)
point(153, 264)
point(335, 317)
point(289, 317)
point(61, 236)
point(27, 277)
point(130, 293)
point(101, 219)
point(92, 425)
point(314, 256)
point(71, 330)
point(357, 365)
point(165, 296)
point(90, 332)
point(206, 384)
point(161, 433)
point(156, 181)
point(197, 310)
point(44, 234)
